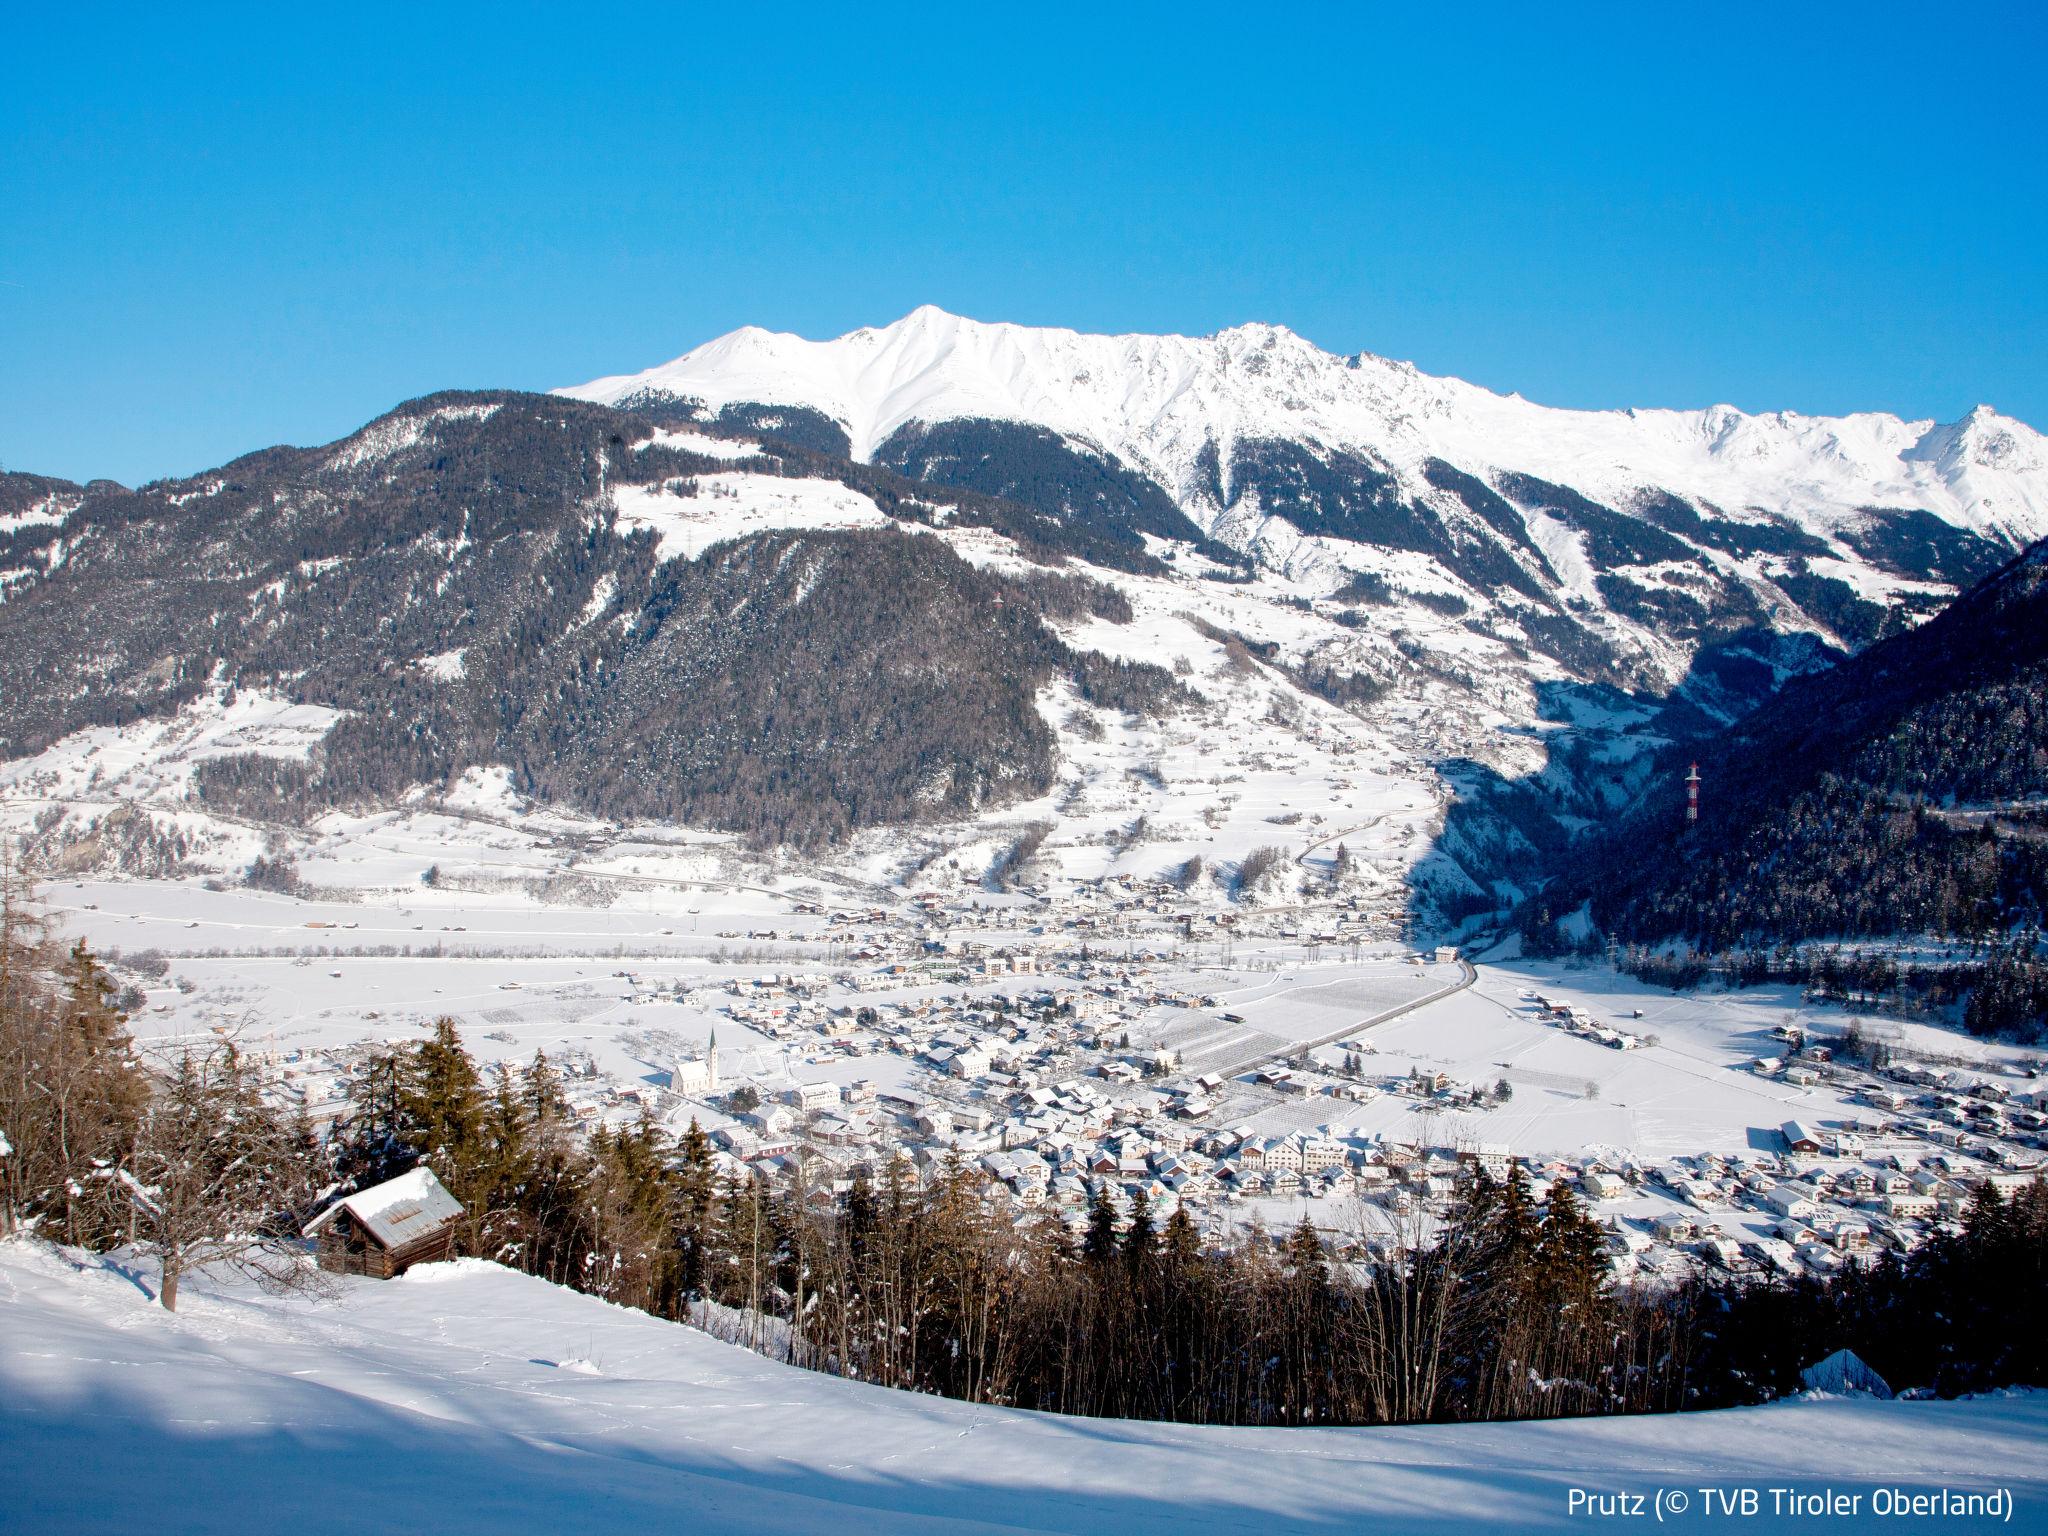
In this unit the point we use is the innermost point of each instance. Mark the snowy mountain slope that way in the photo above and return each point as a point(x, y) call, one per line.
point(641, 618)
point(467, 1398)
point(625, 620)
point(1172, 404)
point(695, 608)
point(1893, 796)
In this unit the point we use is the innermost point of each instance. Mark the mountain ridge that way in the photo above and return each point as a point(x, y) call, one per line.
point(1159, 401)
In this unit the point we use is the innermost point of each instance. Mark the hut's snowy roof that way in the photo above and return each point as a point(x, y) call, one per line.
point(399, 1210)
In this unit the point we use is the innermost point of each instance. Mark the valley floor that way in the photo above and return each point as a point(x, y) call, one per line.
point(467, 1398)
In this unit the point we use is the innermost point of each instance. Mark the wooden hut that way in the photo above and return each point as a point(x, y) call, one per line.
point(385, 1230)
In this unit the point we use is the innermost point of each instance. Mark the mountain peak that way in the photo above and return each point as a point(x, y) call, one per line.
point(1260, 332)
point(1162, 403)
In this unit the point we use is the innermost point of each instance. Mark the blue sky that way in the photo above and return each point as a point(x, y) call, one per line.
point(238, 227)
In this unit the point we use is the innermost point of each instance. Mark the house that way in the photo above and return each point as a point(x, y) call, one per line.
point(1601, 1185)
point(1726, 1252)
point(1321, 1152)
point(1790, 1202)
point(767, 1120)
point(1266, 1153)
point(1491, 1157)
point(2012, 1183)
point(971, 1061)
point(1675, 1226)
point(384, 1230)
point(1800, 1137)
point(813, 1098)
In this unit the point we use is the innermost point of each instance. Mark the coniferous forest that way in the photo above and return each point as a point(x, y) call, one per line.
point(1898, 794)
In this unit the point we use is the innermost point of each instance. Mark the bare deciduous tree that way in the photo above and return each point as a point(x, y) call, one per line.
point(217, 1175)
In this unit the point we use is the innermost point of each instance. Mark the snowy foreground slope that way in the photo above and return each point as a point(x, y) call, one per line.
point(468, 1398)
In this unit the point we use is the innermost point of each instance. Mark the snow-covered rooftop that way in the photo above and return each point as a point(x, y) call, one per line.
point(398, 1211)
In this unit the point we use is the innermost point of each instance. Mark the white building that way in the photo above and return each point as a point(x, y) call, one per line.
point(1791, 1202)
point(812, 1098)
point(971, 1061)
point(694, 1079)
point(1320, 1152)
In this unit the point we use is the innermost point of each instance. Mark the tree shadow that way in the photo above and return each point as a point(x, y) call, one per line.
point(1605, 750)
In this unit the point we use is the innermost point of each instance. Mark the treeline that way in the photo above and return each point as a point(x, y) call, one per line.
point(1995, 989)
point(933, 1284)
point(1960, 1314)
point(1842, 858)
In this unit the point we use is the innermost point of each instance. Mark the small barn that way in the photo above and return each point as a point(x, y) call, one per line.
point(386, 1229)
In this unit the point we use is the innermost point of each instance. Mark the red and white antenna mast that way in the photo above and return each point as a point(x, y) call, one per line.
point(1692, 795)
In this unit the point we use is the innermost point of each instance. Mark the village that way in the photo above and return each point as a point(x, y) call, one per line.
point(1250, 1078)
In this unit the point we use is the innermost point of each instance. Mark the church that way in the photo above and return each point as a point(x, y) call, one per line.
point(696, 1077)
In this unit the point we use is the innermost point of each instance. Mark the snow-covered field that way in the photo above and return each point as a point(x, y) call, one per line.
point(467, 1398)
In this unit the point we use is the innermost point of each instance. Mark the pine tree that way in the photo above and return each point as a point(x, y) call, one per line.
point(695, 1215)
point(1099, 1245)
point(441, 1111)
point(1571, 1253)
point(1180, 1247)
point(370, 1143)
point(555, 1172)
point(1303, 1318)
point(101, 1101)
point(1140, 1241)
point(630, 1255)
point(505, 1170)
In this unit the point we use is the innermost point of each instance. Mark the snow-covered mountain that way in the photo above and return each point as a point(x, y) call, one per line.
point(971, 579)
point(1177, 407)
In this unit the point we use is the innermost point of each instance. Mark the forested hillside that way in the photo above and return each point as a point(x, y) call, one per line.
point(457, 582)
point(1899, 793)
